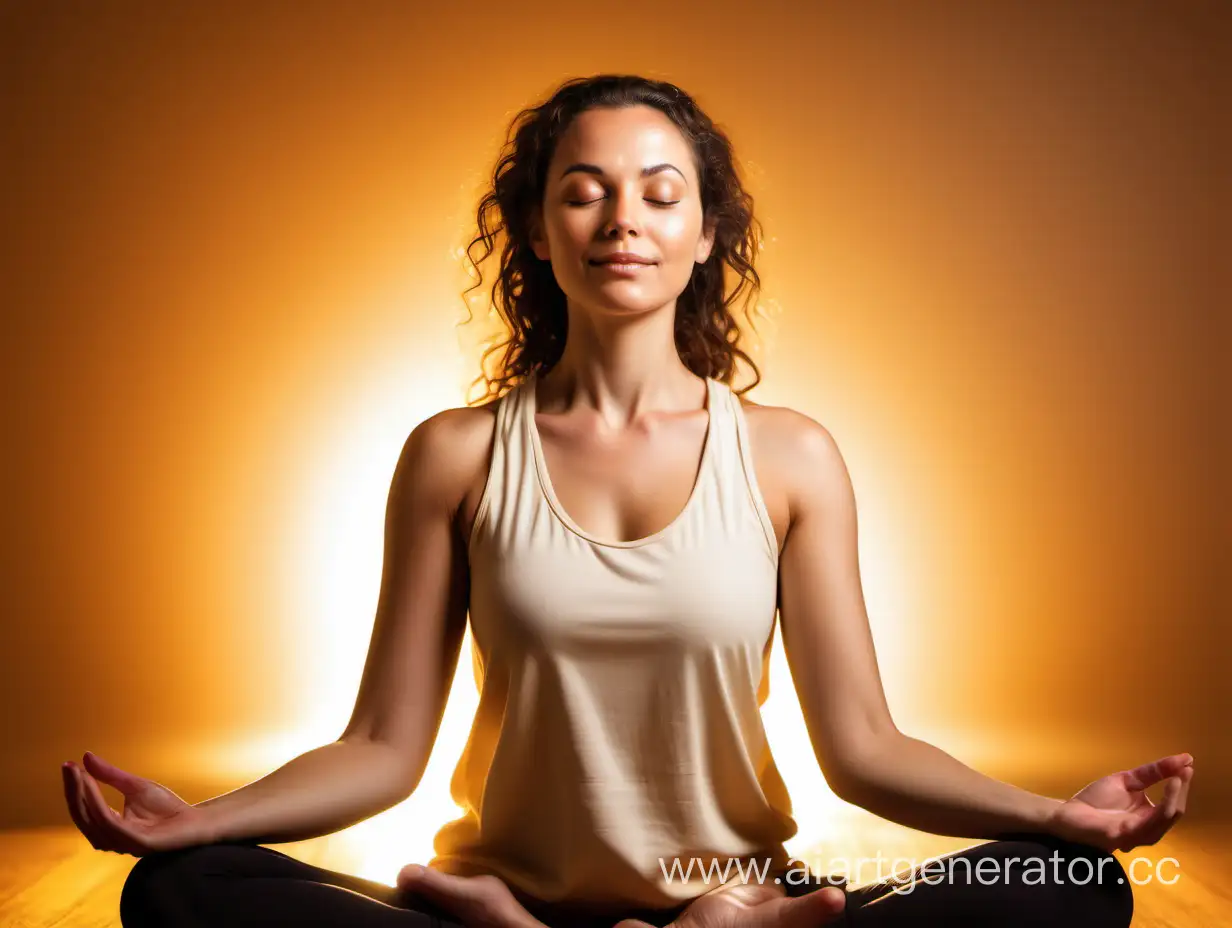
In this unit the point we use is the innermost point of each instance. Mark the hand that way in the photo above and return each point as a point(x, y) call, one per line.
point(154, 818)
point(477, 901)
point(756, 905)
point(1114, 813)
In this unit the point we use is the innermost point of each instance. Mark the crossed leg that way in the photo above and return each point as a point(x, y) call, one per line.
point(1019, 881)
point(243, 885)
point(1023, 880)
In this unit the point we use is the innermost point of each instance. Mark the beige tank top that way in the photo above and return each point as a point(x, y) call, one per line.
point(618, 728)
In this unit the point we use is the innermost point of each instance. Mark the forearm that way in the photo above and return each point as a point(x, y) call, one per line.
point(919, 785)
point(317, 793)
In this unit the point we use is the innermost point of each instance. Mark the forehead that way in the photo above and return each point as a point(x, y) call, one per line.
point(623, 141)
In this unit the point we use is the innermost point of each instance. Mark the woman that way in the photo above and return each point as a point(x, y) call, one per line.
point(622, 529)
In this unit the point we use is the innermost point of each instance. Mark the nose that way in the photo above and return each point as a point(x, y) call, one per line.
point(622, 218)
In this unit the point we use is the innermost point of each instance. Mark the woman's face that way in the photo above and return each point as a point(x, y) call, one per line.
point(622, 180)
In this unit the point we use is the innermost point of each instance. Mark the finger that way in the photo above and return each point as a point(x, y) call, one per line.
point(1148, 774)
point(1140, 814)
point(127, 783)
point(1161, 820)
point(96, 804)
point(97, 812)
point(1120, 830)
point(1186, 776)
point(107, 820)
point(71, 800)
point(1172, 794)
point(85, 820)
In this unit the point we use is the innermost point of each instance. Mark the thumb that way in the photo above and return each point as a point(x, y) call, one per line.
point(127, 783)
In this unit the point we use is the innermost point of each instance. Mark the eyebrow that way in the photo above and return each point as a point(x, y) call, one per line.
point(595, 169)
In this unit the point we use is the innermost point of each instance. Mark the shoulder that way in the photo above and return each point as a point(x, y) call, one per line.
point(799, 452)
point(444, 454)
point(452, 435)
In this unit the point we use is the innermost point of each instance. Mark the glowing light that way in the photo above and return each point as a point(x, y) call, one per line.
point(334, 563)
point(889, 596)
point(334, 566)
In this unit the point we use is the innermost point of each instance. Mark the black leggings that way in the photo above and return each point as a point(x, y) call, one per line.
point(239, 885)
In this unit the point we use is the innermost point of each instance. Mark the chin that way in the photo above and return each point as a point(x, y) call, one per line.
point(623, 308)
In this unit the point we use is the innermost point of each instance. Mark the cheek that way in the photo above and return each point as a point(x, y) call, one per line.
point(573, 232)
point(678, 230)
point(677, 236)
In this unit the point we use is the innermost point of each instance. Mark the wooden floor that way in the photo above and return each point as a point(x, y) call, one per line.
point(51, 876)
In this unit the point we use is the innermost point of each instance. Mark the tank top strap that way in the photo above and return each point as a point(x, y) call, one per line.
point(737, 465)
point(507, 468)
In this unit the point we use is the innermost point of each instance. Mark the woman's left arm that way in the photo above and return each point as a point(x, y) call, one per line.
point(864, 757)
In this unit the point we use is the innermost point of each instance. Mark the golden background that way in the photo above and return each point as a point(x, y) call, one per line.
point(232, 288)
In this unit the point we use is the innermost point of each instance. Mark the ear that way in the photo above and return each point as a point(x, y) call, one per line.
point(538, 241)
point(705, 242)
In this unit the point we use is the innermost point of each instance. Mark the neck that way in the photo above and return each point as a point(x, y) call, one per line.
point(621, 368)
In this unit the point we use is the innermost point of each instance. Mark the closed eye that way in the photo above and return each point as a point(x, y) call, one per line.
point(597, 199)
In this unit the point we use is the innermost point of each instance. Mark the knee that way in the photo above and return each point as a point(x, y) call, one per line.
point(1069, 883)
point(1097, 886)
point(161, 887)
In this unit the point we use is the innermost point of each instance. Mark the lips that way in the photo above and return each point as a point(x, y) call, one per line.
point(621, 260)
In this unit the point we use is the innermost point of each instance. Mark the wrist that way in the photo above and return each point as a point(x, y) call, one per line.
point(207, 823)
point(1044, 815)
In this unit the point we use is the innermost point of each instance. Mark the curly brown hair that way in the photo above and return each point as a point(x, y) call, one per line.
point(525, 295)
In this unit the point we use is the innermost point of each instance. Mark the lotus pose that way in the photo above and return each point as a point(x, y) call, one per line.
point(623, 529)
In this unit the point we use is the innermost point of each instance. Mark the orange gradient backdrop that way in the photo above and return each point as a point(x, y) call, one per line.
point(234, 280)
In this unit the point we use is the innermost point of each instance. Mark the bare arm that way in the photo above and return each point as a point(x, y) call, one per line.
point(420, 621)
point(317, 793)
point(865, 758)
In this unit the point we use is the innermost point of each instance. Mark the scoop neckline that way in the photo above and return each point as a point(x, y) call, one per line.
point(558, 509)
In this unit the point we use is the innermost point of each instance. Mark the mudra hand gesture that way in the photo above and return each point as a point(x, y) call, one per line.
point(1114, 813)
point(153, 818)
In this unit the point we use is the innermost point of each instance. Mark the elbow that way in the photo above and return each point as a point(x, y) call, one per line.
point(398, 788)
point(404, 778)
point(393, 770)
point(844, 784)
point(854, 763)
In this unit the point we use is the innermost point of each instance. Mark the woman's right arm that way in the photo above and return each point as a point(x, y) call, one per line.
point(380, 757)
